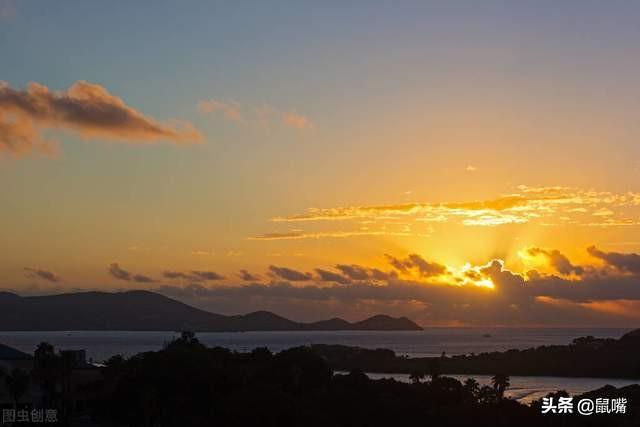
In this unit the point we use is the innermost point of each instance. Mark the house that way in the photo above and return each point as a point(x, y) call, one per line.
point(11, 358)
point(74, 386)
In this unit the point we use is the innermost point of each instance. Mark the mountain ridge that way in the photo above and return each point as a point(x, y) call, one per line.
point(140, 310)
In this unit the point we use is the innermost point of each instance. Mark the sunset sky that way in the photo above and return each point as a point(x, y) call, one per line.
point(459, 163)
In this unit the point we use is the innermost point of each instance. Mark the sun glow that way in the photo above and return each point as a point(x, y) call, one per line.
point(471, 275)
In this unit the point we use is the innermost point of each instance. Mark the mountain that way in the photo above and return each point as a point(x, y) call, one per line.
point(385, 323)
point(149, 311)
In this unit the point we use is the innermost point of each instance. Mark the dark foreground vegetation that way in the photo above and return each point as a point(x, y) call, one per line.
point(187, 384)
point(585, 357)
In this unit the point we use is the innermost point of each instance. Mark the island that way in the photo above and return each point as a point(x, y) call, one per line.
point(584, 357)
point(149, 311)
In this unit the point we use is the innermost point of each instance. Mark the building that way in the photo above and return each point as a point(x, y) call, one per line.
point(10, 359)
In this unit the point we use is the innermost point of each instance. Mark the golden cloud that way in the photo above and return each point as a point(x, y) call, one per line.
point(531, 204)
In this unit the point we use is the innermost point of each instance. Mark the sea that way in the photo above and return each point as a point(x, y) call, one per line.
point(100, 345)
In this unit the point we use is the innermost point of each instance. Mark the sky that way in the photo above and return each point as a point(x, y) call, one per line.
point(460, 163)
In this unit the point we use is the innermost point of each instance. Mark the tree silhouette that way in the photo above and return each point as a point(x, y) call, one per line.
point(500, 384)
point(434, 369)
point(47, 371)
point(472, 387)
point(416, 376)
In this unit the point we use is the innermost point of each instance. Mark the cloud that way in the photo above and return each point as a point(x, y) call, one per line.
point(230, 110)
point(330, 276)
point(41, 274)
point(289, 274)
point(557, 260)
point(120, 274)
point(549, 301)
point(623, 262)
point(248, 277)
point(297, 121)
point(265, 115)
point(377, 274)
point(416, 262)
point(355, 272)
point(296, 235)
point(19, 136)
point(547, 206)
point(432, 293)
point(194, 275)
point(86, 109)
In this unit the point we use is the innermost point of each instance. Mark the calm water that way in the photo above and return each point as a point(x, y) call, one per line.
point(101, 345)
point(528, 389)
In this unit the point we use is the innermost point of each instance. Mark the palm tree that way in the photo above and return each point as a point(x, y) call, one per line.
point(500, 384)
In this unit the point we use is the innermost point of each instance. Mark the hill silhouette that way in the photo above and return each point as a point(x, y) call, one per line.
point(584, 357)
point(149, 311)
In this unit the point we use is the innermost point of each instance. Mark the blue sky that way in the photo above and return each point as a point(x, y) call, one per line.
point(326, 106)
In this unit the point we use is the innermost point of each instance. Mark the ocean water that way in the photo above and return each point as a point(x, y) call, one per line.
point(528, 389)
point(100, 345)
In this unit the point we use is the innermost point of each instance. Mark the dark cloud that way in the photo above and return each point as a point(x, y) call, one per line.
point(396, 263)
point(359, 272)
point(417, 263)
point(248, 277)
point(624, 262)
point(599, 296)
point(121, 274)
point(176, 275)
point(118, 273)
point(208, 275)
point(86, 109)
point(142, 279)
point(289, 274)
point(426, 269)
point(377, 274)
point(514, 301)
point(330, 276)
point(558, 261)
point(353, 271)
point(41, 274)
point(194, 275)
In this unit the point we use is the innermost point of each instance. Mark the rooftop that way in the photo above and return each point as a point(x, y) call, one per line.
point(10, 353)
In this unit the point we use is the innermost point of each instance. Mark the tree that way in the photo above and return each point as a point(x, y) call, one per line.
point(43, 350)
point(416, 376)
point(472, 387)
point(434, 369)
point(500, 384)
point(487, 395)
point(186, 341)
point(47, 371)
point(17, 384)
